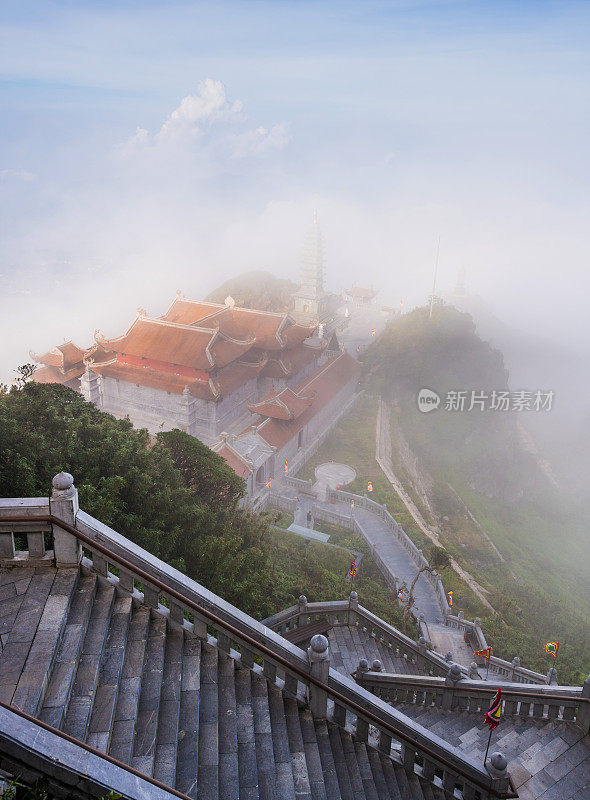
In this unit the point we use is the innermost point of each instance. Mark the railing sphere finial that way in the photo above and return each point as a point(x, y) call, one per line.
point(62, 481)
point(319, 643)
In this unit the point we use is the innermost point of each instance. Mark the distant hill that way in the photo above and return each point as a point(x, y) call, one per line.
point(256, 289)
point(480, 480)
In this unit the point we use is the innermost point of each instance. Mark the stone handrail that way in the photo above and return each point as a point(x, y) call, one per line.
point(350, 612)
point(558, 703)
point(414, 552)
point(196, 608)
point(29, 748)
point(507, 670)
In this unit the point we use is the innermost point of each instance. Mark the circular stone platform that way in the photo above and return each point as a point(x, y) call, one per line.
point(334, 474)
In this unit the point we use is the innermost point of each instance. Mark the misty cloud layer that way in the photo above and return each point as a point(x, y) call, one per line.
point(148, 150)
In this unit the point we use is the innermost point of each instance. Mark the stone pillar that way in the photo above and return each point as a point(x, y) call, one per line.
point(473, 673)
point(454, 676)
point(361, 669)
point(64, 505)
point(353, 607)
point(302, 603)
point(515, 665)
point(90, 387)
point(318, 656)
point(552, 677)
point(584, 710)
point(497, 767)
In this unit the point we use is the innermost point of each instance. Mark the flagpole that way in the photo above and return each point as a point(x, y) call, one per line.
point(488, 668)
point(488, 747)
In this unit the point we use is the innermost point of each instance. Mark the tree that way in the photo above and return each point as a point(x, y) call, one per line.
point(438, 561)
point(25, 372)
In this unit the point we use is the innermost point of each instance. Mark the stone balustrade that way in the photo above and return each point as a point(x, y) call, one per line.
point(78, 538)
point(506, 670)
point(349, 612)
point(559, 703)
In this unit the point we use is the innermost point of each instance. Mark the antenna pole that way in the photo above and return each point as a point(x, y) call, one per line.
point(434, 279)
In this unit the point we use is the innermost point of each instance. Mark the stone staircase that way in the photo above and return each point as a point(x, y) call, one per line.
point(348, 645)
point(94, 662)
point(547, 760)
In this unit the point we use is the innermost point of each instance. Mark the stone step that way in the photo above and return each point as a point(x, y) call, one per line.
point(103, 709)
point(146, 723)
point(227, 729)
point(390, 779)
point(365, 770)
point(312, 755)
point(83, 694)
point(378, 775)
point(188, 722)
point(352, 765)
point(169, 712)
point(331, 781)
point(301, 776)
point(285, 784)
point(121, 743)
point(265, 758)
point(208, 761)
point(342, 773)
point(247, 764)
point(22, 632)
point(59, 688)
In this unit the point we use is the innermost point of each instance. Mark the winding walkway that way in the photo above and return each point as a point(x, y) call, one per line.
point(398, 561)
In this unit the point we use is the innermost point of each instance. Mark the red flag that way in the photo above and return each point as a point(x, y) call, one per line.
point(353, 569)
point(494, 712)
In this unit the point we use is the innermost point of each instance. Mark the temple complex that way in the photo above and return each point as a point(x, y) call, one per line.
point(256, 386)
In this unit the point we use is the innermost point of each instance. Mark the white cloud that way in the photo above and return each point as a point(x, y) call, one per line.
point(207, 121)
point(208, 105)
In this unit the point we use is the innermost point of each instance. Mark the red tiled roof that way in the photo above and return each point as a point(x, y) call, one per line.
point(64, 356)
point(284, 405)
point(272, 331)
point(50, 374)
point(155, 379)
point(185, 345)
point(362, 293)
point(188, 312)
point(203, 385)
point(233, 461)
point(325, 382)
point(291, 361)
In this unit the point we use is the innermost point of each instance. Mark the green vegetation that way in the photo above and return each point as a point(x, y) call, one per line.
point(475, 463)
point(174, 497)
point(256, 289)
point(320, 572)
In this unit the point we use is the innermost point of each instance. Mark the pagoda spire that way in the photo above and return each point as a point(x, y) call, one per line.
point(312, 265)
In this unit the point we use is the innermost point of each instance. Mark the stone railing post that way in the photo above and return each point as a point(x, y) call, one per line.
point(473, 673)
point(64, 505)
point(584, 709)
point(302, 603)
point(515, 665)
point(353, 607)
point(318, 656)
point(454, 676)
point(552, 677)
point(497, 767)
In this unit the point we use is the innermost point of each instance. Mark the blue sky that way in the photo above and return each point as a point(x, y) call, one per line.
point(399, 121)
